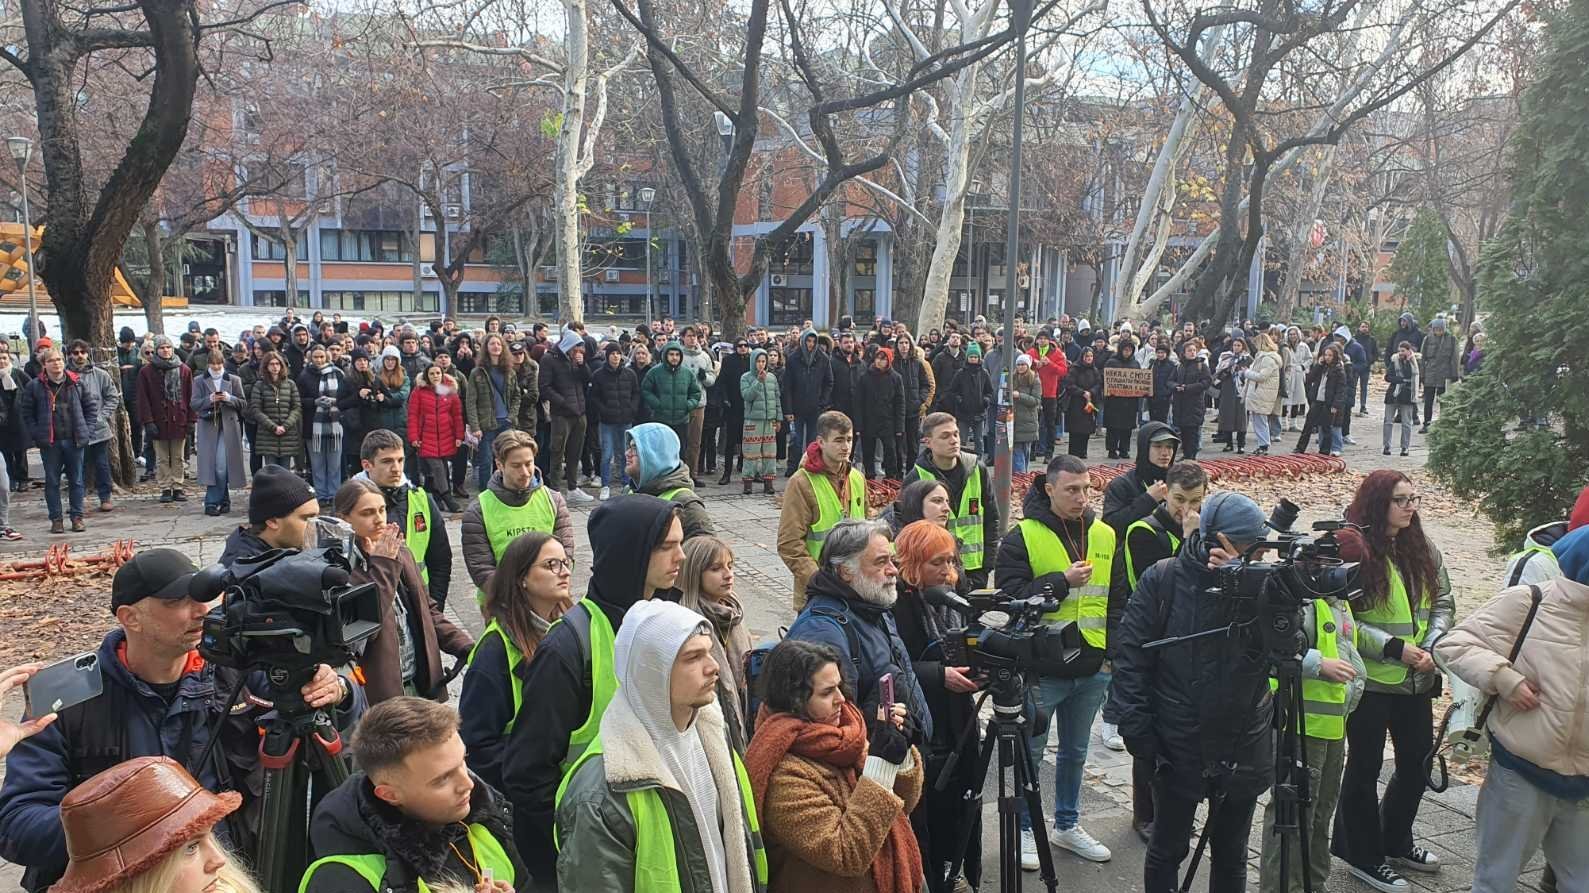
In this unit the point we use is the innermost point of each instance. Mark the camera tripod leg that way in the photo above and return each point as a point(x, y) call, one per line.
point(283, 822)
point(1028, 784)
point(973, 803)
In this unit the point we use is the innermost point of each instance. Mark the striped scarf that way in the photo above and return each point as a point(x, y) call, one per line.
point(327, 429)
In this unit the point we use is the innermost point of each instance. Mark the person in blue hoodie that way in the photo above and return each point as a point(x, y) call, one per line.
point(654, 468)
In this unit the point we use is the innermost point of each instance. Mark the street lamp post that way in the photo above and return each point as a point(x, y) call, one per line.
point(1004, 427)
point(647, 196)
point(21, 150)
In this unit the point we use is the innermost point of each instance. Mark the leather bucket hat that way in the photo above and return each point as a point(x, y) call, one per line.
point(125, 820)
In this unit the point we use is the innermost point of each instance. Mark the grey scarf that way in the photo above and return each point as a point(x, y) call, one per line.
point(172, 370)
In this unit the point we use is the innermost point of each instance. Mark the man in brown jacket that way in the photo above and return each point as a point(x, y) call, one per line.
point(824, 491)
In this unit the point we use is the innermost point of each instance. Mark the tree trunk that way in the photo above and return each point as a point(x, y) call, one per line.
point(946, 246)
point(570, 138)
point(153, 290)
point(289, 253)
point(1292, 286)
point(83, 244)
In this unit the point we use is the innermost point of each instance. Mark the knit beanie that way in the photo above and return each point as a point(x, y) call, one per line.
point(1572, 554)
point(1233, 514)
point(277, 494)
point(975, 350)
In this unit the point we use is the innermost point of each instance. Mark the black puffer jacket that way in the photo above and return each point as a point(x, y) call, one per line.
point(1013, 569)
point(1079, 383)
point(807, 379)
point(352, 821)
point(1126, 498)
point(615, 394)
point(1196, 706)
point(847, 374)
point(880, 403)
point(969, 393)
point(563, 384)
point(1187, 404)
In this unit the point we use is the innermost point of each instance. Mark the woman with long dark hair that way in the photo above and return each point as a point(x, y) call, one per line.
point(1405, 608)
point(526, 595)
point(1327, 393)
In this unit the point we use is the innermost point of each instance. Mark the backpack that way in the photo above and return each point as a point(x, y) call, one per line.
point(756, 661)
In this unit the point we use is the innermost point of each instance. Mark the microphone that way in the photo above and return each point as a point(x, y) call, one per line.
point(944, 597)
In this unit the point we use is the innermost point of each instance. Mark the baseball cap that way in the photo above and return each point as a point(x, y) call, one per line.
point(157, 573)
point(1164, 434)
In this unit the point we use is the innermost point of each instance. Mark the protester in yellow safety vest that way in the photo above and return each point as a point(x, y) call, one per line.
point(1405, 608)
point(515, 501)
point(424, 526)
point(1333, 675)
point(825, 491)
point(651, 462)
point(523, 600)
point(974, 513)
point(1144, 543)
point(660, 801)
point(413, 817)
point(637, 547)
point(1200, 710)
point(1061, 543)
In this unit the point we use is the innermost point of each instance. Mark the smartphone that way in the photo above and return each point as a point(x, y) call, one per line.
point(885, 696)
point(63, 684)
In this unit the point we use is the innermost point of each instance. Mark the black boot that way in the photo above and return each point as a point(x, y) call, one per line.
point(728, 472)
point(766, 486)
point(747, 484)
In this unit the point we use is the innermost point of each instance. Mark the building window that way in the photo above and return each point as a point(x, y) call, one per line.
point(866, 259)
point(374, 246)
point(615, 304)
point(865, 303)
point(272, 249)
point(789, 306)
point(621, 254)
point(380, 301)
point(276, 298)
point(796, 259)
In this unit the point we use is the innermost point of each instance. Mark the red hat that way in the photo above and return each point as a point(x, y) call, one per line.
point(1580, 512)
point(44, 342)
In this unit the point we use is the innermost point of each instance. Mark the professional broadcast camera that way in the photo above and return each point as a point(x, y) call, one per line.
point(286, 611)
point(1003, 632)
point(1305, 568)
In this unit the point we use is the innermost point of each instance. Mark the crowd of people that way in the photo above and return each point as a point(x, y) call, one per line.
point(634, 736)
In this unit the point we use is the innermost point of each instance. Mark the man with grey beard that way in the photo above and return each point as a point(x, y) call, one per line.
point(848, 606)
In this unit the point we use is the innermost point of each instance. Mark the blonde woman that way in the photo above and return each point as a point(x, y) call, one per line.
point(707, 580)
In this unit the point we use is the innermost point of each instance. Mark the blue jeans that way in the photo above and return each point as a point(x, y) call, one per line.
point(612, 450)
point(216, 494)
point(485, 461)
point(97, 456)
point(58, 457)
point(1018, 457)
point(326, 469)
point(1071, 704)
point(1191, 440)
point(1335, 436)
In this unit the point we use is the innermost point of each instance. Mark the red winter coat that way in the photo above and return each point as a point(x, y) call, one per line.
point(1051, 373)
point(435, 422)
point(171, 416)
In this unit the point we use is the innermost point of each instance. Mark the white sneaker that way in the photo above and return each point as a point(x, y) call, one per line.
point(577, 496)
point(1110, 733)
point(1349, 440)
point(1081, 843)
point(1029, 850)
point(606, 492)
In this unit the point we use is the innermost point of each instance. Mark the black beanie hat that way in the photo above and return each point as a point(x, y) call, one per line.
point(126, 335)
point(277, 494)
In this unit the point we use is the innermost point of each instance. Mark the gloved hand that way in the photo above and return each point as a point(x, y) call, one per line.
point(887, 743)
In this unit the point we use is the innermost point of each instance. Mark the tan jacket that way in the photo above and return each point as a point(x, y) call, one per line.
point(822, 835)
point(1555, 658)
point(794, 522)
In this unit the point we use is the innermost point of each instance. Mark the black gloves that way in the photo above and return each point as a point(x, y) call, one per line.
point(887, 743)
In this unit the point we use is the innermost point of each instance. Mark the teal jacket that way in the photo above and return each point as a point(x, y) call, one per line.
point(671, 392)
point(763, 402)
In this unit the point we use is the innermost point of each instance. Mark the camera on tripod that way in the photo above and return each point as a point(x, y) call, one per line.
point(286, 611)
point(1271, 594)
point(1006, 633)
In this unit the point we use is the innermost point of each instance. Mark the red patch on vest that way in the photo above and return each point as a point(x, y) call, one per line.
point(419, 523)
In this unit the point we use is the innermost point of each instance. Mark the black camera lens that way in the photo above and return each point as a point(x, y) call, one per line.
point(1284, 516)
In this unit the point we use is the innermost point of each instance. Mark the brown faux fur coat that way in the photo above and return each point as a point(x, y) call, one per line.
point(821, 835)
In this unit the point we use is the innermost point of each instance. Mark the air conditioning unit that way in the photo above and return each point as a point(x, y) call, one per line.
point(779, 280)
point(610, 275)
point(454, 212)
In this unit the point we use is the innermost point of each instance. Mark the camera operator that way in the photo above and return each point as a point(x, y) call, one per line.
point(424, 527)
point(414, 817)
point(281, 506)
point(1405, 608)
point(572, 677)
point(160, 698)
point(849, 604)
point(1145, 542)
point(1201, 711)
point(1061, 543)
point(404, 658)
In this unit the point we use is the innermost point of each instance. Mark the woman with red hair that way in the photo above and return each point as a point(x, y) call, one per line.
point(928, 559)
point(1406, 605)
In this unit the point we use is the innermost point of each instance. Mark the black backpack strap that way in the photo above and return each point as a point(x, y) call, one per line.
point(851, 637)
point(1535, 597)
point(579, 622)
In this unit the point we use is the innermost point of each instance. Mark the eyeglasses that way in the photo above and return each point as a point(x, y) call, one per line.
point(557, 565)
point(1407, 501)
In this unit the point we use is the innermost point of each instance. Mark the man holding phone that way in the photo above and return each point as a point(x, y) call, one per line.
point(158, 698)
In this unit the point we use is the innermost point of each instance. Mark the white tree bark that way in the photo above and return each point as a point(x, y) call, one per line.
point(1300, 232)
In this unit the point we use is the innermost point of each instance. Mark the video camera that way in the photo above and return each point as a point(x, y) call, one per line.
point(286, 611)
point(1271, 594)
point(1007, 634)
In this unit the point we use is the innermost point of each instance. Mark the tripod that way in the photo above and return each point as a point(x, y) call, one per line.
point(1293, 785)
point(299, 746)
point(1008, 733)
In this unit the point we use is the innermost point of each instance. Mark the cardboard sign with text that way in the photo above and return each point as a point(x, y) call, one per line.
point(1127, 382)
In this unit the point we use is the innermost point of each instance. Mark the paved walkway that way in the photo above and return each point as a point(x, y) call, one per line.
point(749, 524)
